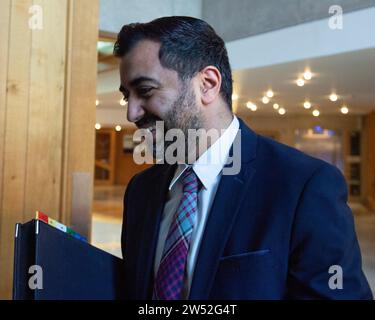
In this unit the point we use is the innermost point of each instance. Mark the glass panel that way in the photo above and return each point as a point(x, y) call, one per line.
point(101, 174)
point(355, 143)
point(321, 143)
point(103, 147)
point(355, 171)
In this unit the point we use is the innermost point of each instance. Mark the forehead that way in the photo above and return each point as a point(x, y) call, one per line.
point(143, 61)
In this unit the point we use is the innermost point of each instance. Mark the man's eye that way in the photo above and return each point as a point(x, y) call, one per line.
point(144, 91)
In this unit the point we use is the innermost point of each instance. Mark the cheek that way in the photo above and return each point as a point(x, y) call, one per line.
point(159, 105)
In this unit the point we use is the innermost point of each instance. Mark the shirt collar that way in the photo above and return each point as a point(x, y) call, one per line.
point(209, 165)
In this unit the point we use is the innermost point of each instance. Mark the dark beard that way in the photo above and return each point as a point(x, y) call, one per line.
point(184, 115)
point(148, 120)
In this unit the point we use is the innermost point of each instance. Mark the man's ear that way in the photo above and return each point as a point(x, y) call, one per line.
point(210, 84)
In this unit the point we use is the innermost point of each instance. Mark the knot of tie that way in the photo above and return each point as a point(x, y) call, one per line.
point(190, 181)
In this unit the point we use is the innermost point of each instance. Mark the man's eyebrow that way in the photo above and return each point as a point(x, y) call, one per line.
point(137, 81)
point(141, 79)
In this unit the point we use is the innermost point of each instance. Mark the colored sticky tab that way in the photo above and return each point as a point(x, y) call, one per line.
point(41, 216)
point(60, 226)
point(75, 234)
point(53, 223)
point(69, 231)
point(82, 238)
point(56, 224)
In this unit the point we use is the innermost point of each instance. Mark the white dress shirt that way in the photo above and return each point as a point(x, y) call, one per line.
point(208, 168)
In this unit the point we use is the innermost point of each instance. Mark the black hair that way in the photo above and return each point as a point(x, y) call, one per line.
point(187, 46)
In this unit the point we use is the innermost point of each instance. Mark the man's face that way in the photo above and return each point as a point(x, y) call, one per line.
point(155, 93)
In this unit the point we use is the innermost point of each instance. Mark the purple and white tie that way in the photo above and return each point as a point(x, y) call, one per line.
point(169, 280)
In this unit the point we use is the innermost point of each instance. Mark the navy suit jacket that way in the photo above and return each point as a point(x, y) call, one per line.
point(273, 232)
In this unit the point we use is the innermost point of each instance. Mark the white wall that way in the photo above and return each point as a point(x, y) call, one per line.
point(115, 13)
point(305, 41)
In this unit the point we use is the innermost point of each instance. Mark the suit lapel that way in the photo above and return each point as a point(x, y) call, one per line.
point(149, 236)
point(231, 191)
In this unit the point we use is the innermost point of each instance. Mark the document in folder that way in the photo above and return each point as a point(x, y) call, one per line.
point(51, 264)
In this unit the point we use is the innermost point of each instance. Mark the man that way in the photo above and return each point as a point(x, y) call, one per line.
point(279, 228)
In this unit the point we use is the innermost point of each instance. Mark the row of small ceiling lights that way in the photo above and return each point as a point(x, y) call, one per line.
point(122, 102)
point(98, 126)
point(307, 75)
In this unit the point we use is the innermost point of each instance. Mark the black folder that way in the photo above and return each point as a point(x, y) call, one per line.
point(71, 268)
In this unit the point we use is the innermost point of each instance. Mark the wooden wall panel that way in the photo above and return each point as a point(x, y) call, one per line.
point(47, 116)
point(4, 49)
point(80, 115)
point(46, 106)
point(15, 142)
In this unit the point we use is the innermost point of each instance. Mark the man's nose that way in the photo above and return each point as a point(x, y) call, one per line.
point(135, 110)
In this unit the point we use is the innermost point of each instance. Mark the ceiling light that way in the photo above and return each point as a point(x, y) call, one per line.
point(300, 82)
point(307, 75)
point(333, 97)
point(316, 113)
point(265, 100)
point(97, 126)
point(122, 102)
point(118, 128)
point(344, 110)
point(251, 106)
point(97, 102)
point(269, 93)
point(234, 97)
point(282, 111)
point(276, 106)
point(307, 105)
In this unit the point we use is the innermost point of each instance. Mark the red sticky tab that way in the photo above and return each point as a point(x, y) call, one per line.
point(41, 216)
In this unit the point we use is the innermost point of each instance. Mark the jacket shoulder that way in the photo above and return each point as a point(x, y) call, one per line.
point(285, 154)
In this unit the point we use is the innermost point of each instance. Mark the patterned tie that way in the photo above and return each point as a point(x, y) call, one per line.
point(169, 281)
